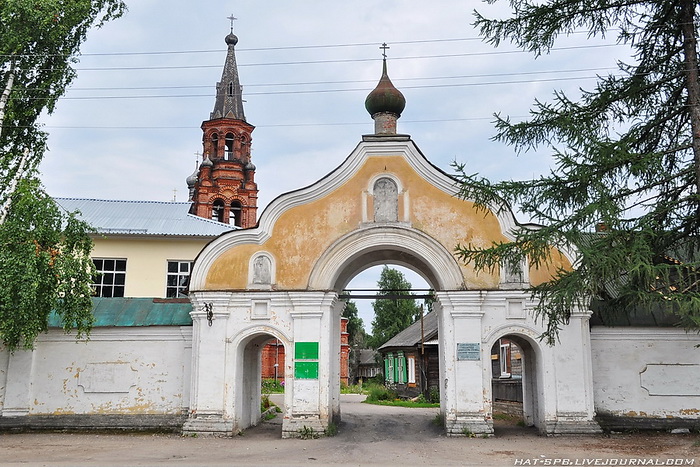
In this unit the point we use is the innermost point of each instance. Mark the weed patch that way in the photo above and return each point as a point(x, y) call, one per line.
point(307, 432)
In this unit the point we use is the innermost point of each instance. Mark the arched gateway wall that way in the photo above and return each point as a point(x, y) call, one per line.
point(385, 203)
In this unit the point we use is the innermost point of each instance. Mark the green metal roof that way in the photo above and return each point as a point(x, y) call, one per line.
point(129, 312)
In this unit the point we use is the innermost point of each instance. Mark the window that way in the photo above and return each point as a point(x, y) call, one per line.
point(504, 358)
point(229, 146)
point(234, 217)
point(400, 368)
point(389, 368)
point(411, 370)
point(178, 278)
point(110, 277)
point(217, 211)
point(214, 145)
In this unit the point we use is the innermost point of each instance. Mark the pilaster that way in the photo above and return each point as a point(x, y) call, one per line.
point(311, 402)
point(462, 357)
point(575, 410)
point(210, 315)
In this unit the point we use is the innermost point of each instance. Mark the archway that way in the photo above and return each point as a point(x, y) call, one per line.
point(247, 375)
point(392, 244)
point(399, 358)
point(518, 378)
point(284, 277)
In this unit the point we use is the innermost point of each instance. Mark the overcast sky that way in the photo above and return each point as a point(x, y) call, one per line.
point(129, 126)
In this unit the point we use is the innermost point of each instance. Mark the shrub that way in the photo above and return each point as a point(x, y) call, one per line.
point(351, 389)
point(434, 395)
point(380, 393)
point(265, 402)
point(272, 386)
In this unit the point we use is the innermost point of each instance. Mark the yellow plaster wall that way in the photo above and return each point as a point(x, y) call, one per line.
point(303, 233)
point(556, 261)
point(147, 260)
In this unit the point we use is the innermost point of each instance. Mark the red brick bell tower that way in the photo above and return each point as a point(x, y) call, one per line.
point(224, 188)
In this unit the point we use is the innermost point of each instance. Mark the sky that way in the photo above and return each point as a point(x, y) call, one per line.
point(129, 126)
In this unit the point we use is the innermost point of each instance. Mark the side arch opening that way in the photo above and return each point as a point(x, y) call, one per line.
point(259, 378)
point(517, 392)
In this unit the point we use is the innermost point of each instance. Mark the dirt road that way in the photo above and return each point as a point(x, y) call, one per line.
point(368, 435)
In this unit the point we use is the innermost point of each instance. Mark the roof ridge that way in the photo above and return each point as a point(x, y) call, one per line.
point(212, 221)
point(120, 200)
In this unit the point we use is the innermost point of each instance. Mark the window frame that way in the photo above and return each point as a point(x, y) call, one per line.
point(178, 275)
point(115, 276)
point(411, 364)
point(504, 357)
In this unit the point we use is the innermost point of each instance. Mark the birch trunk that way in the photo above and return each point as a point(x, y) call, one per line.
point(6, 95)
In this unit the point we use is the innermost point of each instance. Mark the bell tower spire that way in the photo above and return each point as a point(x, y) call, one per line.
point(224, 189)
point(229, 98)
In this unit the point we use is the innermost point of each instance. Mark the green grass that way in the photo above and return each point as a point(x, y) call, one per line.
point(403, 403)
point(378, 394)
point(351, 389)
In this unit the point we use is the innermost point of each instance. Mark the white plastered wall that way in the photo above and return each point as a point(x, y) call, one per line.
point(119, 371)
point(646, 373)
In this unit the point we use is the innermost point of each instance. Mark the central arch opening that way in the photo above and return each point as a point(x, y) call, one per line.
point(397, 370)
point(377, 245)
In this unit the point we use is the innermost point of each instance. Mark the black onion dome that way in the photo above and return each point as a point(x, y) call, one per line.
point(231, 39)
point(385, 97)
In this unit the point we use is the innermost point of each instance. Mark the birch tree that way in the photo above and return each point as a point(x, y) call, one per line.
point(44, 252)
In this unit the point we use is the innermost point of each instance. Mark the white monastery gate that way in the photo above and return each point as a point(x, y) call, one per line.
point(385, 204)
point(282, 279)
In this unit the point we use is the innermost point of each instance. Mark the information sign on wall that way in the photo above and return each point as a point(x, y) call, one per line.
point(468, 351)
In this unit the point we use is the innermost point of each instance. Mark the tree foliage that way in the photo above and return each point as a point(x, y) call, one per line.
point(39, 42)
point(44, 252)
point(356, 327)
point(45, 265)
point(626, 156)
point(391, 316)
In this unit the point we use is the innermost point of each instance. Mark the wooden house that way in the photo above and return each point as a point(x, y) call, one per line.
point(411, 361)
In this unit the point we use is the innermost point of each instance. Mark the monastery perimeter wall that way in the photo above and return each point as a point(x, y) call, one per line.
point(122, 378)
point(646, 377)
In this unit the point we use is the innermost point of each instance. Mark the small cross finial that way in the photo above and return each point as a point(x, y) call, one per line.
point(174, 195)
point(232, 19)
point(384, 47)
point(197, 155)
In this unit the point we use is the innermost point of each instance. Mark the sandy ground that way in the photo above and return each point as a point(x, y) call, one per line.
point(368, 435)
